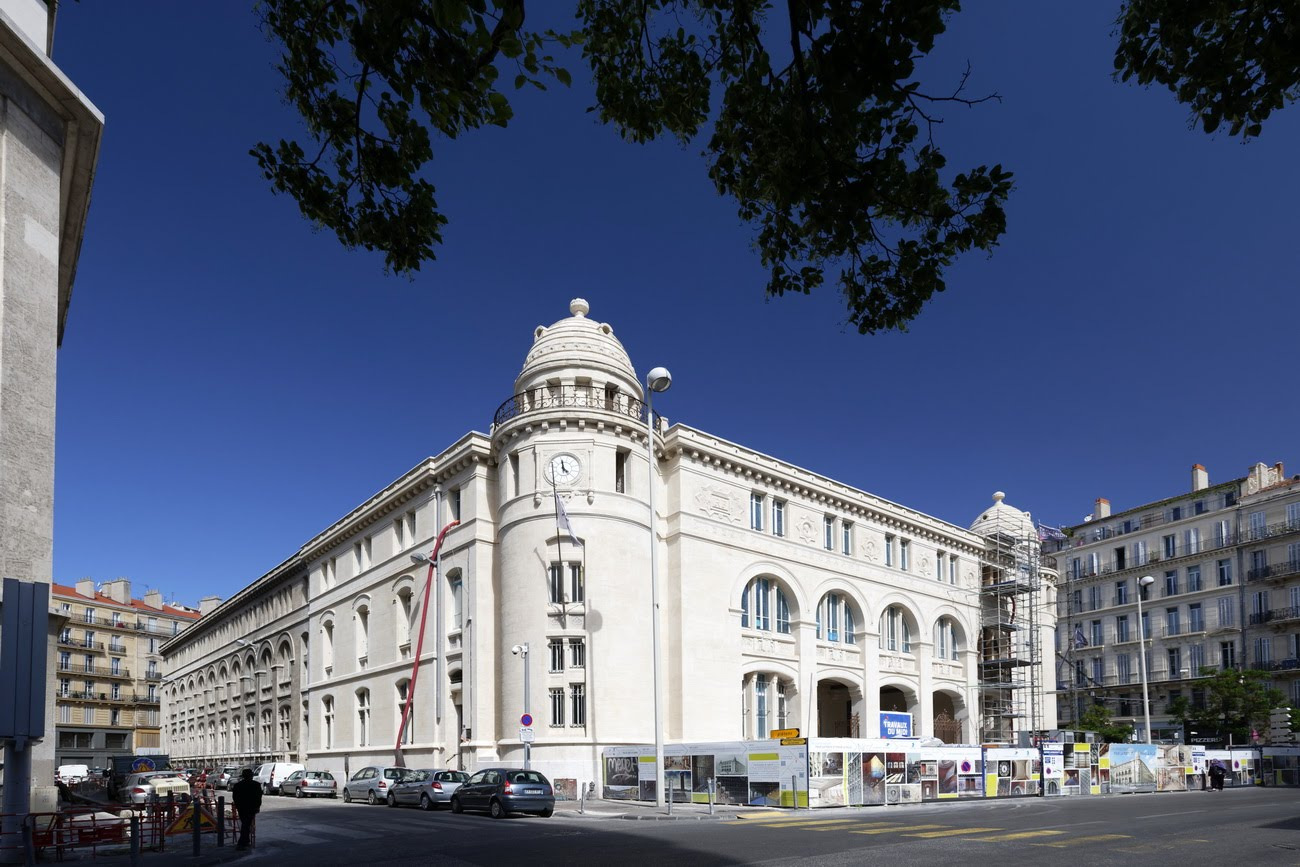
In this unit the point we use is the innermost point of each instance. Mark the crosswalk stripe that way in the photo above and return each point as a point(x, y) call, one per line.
point(860, 825)
point(766, 818)
point(808, 823)
point(900, 830)
point(1018, 835)
point(1074, 841)
point(953, 832)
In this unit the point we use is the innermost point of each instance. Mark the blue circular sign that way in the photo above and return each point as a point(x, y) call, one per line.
point(526, 719)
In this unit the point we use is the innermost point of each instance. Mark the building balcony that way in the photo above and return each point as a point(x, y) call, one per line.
point(1282, 528)
point(153, 676)
point(1276, 616)
point(116, 647)
point(69, 641)
point(1277, 570)
point(571, 397)
point(1182, 630)
point(157, 629)
point(94, 671)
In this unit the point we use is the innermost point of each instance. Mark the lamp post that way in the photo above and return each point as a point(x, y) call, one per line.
point(522, 650)
point(658, 379)
point(1144, 582)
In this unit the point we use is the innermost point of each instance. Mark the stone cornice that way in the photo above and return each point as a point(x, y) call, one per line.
point(755, 468)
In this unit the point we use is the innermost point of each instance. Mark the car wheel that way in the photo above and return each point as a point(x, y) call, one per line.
point(425, 803)
point(392, 801)
point(455, 805)
point(297, 793)
point(372, 798)
point(497, 809)
point(548, 812)
point(347, 797)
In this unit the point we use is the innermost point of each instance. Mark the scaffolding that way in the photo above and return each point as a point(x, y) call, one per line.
point(1010, 667)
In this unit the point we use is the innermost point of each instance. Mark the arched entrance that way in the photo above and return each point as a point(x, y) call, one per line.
point(949, 718)
point(839, 710)
point(899, 699)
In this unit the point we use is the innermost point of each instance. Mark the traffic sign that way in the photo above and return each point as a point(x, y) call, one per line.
point(185, 821)
point(526, 735)
point(526, 720)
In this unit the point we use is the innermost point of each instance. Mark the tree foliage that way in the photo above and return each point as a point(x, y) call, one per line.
point(812, 117)
point(1231, 61)
point(1236, 702)
point(1097, 719)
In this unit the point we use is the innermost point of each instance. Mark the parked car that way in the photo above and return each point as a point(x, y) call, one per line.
point(301, 784)
point(70, 774)
point(225, 777)
point(372, 783)
point(270, 774)
point(427, 789)
point(502, 791)
point(139, 787)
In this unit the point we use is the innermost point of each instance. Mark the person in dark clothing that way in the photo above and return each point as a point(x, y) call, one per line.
point(1217, 773)
point(247, 795)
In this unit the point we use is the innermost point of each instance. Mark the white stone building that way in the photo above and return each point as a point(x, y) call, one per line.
point(789, 600)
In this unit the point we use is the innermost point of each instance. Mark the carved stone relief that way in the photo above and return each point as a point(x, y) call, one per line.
point(718, 502)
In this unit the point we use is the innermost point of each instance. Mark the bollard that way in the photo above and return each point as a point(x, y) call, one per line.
point(221, 820)
point(668, 784)
point(195, 806)
point(794, 791)
point(135, 840)
point(582, 798)
point(711, 783)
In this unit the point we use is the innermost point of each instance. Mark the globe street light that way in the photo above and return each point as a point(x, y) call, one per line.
point(1144, 582)
point(522, 650)
point(658, 379)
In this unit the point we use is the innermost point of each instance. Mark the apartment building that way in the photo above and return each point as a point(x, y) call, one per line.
point(107, 678)
point(1225, 594)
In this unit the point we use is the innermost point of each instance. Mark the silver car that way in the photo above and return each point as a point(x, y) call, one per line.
point(427, 789)
point(302, 784)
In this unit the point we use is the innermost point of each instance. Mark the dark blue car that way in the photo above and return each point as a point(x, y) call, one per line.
point(502, 791)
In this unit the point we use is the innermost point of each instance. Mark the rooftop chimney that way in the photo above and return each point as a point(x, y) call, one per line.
point(208, 604)
point(1200, 478)
point(86, 587)
point(119, 590)
point(153, 598)
point(1101, 509)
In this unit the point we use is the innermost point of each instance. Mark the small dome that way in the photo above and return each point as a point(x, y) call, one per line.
point(577, 347)
point(1001, 519)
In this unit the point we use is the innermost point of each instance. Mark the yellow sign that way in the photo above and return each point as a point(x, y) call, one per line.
point(783, 733)
point(185, 821)
point(793, 742)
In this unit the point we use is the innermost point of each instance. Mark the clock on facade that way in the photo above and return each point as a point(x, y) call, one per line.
point(564, 469)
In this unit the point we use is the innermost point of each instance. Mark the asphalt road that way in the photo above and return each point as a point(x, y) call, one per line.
point(1235, 827)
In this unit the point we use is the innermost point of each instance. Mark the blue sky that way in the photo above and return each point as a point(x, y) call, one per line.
point(232, 382)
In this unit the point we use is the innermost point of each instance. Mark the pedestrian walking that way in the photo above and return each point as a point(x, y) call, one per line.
point(247, 795)
point(1217, 773)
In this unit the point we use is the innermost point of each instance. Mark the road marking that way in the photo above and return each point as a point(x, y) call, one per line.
point(763, 818)
point(807, 823)
point(899, 830)
point(1166, 815)
point(1074, 841)
point(954, 832)
point(1018, 835)
point(860, 825)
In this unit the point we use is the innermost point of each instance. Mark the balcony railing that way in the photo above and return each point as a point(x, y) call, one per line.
point(1281, 528)
point(1276, 615)
point(545, 398)
point(1277, 570)
point(95, 670)
point(69, 641)
point(1279, 665)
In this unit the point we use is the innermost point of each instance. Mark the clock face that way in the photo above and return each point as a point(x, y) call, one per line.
point(564, 469)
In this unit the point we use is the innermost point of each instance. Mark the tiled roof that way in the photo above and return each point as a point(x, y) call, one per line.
point(65, 592)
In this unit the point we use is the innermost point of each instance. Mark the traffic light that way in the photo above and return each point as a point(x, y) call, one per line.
point(1279, 726)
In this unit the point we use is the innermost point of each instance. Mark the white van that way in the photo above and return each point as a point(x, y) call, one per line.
point(69, 774)
point(271, 774)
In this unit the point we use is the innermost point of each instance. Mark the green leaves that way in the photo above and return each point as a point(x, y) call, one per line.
point(1231, 61)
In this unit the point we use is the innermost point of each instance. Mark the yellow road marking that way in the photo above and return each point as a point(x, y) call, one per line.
point(763, 818)
point(1073, 841)
point(1018, 835)
point(904, 828)
point(807, 823)
point(954, 832)
point(860, 825)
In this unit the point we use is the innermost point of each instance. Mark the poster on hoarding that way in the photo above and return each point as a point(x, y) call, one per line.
point(1133, 767)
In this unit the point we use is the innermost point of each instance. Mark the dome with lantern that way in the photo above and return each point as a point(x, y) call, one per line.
point(1001, 519)
point(575, 349)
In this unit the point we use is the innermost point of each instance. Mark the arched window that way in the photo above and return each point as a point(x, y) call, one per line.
point(363, 717)
point(327, 717)
point(363, 631)
point(327, 645)
point(835, 619)
point(760, 597)
point(947, 639)
point(455, 608)
point(895, 634)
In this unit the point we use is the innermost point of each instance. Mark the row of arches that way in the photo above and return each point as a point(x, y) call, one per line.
point(839, 618)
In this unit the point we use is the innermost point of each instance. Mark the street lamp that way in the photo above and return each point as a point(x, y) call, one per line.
point(1144, 582)
point(522, 650)
point(658, 379)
